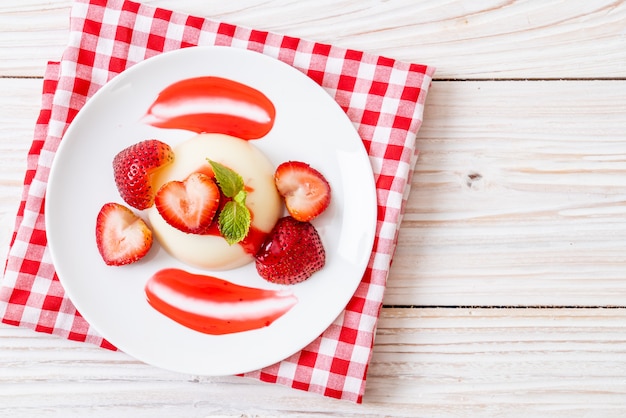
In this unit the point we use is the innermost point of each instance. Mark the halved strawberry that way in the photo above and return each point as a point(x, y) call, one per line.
point(133, 166)
point(189, 205)
point(292, 252)
point(121, 236)
point(306, 191)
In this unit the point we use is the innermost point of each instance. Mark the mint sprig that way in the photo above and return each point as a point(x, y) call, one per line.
point(234, 219)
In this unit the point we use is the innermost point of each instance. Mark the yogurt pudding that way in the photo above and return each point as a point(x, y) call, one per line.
point(211, 251)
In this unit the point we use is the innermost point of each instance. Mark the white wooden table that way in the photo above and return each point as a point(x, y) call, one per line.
point(507, 294)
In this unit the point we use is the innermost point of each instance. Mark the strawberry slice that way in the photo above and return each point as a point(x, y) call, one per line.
point(122, 237)
point(189, 205)
point(305, 190)
point(133, 166)
point(292, 252)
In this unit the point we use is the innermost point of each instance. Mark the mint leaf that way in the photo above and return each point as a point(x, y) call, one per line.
point(234, 219)
point(230, 182)
point(234, 222)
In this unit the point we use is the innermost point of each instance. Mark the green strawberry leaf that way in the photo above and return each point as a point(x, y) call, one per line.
point(234, 222)
point(230, 182)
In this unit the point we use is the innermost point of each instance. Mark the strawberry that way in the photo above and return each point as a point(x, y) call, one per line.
point(189, 205)
point(305, 190)
point(292, 252)
point(133, 166)
point(122, 237)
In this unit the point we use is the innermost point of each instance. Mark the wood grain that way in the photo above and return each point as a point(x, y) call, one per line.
point(518, 198)
point(427, 362)
point(486, 39)
point(518, 189)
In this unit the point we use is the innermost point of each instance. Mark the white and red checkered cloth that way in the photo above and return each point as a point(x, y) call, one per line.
point(383, 97)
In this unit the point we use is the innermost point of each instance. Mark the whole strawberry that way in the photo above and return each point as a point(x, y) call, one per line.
point(292, 252)
point(132, 168)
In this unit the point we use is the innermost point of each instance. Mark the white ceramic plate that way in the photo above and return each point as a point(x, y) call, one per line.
point(309, 126)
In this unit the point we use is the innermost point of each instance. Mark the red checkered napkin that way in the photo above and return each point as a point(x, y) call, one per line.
point(384, 99)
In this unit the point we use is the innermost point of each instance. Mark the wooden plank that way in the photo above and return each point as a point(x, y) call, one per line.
point(488, 39)
point(426, 362)
point(518, 198)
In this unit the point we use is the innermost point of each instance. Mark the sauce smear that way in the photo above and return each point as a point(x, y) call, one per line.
point(212, 305)
point(213, 105)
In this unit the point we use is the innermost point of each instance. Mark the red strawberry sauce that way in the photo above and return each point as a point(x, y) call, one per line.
point(250, 244)
point(215, 306)
point(214, 105)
